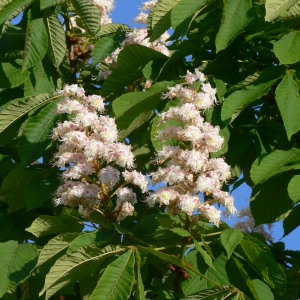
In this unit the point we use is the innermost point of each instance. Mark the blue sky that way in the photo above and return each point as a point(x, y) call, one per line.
point(125, 11)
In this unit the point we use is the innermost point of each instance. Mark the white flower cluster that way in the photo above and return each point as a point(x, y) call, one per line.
point(105, 7)
point(137, 36)
point(92, 158)
point(188, 169)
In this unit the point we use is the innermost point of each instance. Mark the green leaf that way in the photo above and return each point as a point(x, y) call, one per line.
point(291, 222)
point(204, 254)
point(56, 40)
point(16, 263)
point(90, 15)
point(140, 291)
point(219, 292)
point(132, 110)
point(183, 12)
point(106, 46)
point(293, 12)
point(117, 280)
point(286, 49)
point(260, 256)
point(288, 101)
point(14, 183)
point(41, 80)
point(164, 257)
point(294, 188)
point(9, 7)
point(263, 291)
point(88, 238)
point(129, 68)
point(230, 238)
point(39, 193)
point(15, 109)
point(45, 225)
point(270, 201)
point(48, 3)
point(160, 20)
point(11, 74)
point(236, 102)
point(236, 16)
point(55, 248)
point(112, 28)
point(274, 8)
point(36, 43)
point(74, 266)
point(35, 137)
point(181, 232)
point(276, 162)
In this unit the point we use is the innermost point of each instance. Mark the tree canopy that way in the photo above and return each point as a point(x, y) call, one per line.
point(84, 101)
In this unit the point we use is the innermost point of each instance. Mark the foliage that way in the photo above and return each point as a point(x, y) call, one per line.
point(249, 50)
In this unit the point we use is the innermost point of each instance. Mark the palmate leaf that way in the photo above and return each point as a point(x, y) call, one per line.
point(14, 183)
point(291, 222)
point(230, 238)
point(15, 109)
point(262, 259)
point(270, 201)
point(160, 20)
point(53, 250)
point(132, 110)
point(112, 28)
point(183, 12)
point(288, 101)
point(129, 68)
point(56, 39)
point(36, 43)
point(293, 188)
point(76, 265)
point(274, 8)
point(46, 225)
point(90, 15)
point(293, 12)
point(48, 3)
point(11, 74)
point(16, 263)
point(42, 79)
point(239, 100)
point(276, 162)
point(34, 139)
point(140, 291)
point(117, 280)
point(213, 293)
point(105, 46)
point(10, 9)
point(286, 49)
point(236, 15)
point(204, 254)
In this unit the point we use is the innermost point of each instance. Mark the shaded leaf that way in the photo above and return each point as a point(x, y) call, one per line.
point(16, 263)
point(35, 137)
point(204, 254)
point(212, 293)
point(230, 238)
point(236, 16)
point(291, 222)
